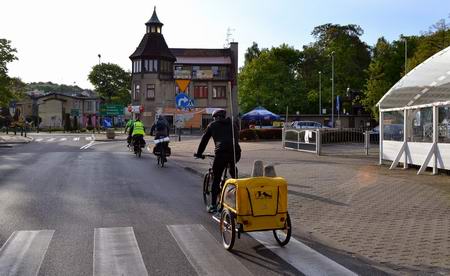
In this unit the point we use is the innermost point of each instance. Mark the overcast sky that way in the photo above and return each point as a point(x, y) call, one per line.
point(59, 40)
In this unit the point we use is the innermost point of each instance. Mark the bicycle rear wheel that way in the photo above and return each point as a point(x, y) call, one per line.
point(284, 235)
point(207, 184)
point(227, 229)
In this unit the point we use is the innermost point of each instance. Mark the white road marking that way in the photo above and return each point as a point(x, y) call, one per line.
point(302, 257)
point(441, 78)
point(89, 138)
point(23, 252)
point(76, 138)
point(91, 143)
point(51, 139)
point(63, 139)
point(38, 139)
point(204, 252)
point(116, 252)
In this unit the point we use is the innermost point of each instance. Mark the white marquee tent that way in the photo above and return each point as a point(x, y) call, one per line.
point(415, 117)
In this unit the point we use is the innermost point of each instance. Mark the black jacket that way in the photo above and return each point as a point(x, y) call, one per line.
point(221, 133)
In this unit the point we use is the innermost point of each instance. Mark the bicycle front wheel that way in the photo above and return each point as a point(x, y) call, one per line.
point(207, 184)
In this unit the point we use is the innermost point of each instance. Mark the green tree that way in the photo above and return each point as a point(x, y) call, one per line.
point(252, 52)
point(111, 82)
point(10, 88)
point(270, 80)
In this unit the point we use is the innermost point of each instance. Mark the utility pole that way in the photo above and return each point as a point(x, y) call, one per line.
point(320, 92)
point(406, 54)
point(332, 89)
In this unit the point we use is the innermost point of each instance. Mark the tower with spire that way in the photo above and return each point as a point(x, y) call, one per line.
point(152, 70)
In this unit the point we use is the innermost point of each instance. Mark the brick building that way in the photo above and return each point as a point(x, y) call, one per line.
point(157, 70)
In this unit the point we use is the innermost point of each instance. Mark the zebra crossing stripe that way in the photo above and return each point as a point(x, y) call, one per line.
point(89, 138)
point(38, 139)
point(51, 140)
point(76, 138)
point(302, 257)
point(63, 139)
point(23, 252)
point(204, 252)
point(116, 252)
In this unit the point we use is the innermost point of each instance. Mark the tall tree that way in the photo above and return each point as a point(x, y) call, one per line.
point(270, 80)
point(252, 52)
point(111, 82)
point(8, 86)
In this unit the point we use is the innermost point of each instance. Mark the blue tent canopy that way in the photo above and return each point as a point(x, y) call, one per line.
point(260, 113)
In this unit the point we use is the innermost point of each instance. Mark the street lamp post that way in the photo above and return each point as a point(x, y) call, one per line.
point(406, 54)
point(320, 92)
point(332, 89)
point(99, 59)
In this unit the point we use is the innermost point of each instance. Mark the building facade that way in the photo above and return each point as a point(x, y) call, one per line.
point(159, 73)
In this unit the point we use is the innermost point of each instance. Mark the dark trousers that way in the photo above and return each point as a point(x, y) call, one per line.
point(138, 140)
point(222, 161)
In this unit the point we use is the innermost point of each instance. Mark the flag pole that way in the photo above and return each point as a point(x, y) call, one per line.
point(232, 129)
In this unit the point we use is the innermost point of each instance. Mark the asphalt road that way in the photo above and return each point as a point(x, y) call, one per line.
point(78, 207)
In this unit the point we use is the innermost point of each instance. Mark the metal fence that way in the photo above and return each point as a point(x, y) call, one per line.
point(301, 139)
point(311, 140)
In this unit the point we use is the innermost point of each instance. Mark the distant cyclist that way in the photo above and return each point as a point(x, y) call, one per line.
point(138, 132)
point(221, 132)
point(160, 130)
point(129, 128)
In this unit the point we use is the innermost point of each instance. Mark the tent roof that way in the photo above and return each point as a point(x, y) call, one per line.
point(260, 113)
point(428, 83)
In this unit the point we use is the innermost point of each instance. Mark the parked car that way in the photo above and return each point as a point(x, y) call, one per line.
point(306, 124)
point(391, 132)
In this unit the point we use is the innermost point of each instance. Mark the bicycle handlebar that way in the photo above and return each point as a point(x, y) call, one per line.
point(205, 155)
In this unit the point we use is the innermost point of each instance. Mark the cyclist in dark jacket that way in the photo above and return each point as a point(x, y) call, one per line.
point(221, 132)
point(160, 130)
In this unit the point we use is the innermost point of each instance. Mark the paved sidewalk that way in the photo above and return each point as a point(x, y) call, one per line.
point(14, 139)
point(396, 218)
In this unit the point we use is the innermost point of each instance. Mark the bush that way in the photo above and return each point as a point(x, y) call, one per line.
point(248, 135)
point(264, 134)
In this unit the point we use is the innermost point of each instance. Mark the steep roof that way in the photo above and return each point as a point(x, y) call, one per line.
point(153, 45)
point(154, 19)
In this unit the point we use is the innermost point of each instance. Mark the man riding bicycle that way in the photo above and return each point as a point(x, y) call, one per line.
point(221, 131)
point(129, 127)
point(138, 132)
point(161, 130)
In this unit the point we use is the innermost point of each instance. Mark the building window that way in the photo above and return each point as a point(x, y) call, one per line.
point(136, 66)
point(219, 92)
point(215, 71)
point(89, 106)
point(155, 65)
point(153, 29)
point(195, 69)
point(200, 92)
point(137, 91)
point(158, 29)
point(150, 93)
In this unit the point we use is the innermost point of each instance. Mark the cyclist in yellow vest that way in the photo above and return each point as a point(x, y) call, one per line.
point(138, 133)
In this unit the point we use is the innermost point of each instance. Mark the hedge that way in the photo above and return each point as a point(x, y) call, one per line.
point(263, 134)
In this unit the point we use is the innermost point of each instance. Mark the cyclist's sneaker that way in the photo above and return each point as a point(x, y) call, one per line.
point(211, 208)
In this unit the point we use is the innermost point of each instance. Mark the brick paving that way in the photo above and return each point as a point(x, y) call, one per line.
point(345, 200)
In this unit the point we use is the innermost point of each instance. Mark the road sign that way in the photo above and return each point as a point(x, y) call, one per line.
point(111, 109)
point(182, 84)
point(75, 112)
point(183, 101)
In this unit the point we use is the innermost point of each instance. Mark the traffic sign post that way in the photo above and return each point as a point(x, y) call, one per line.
point(183, 101)
point(111, 109)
